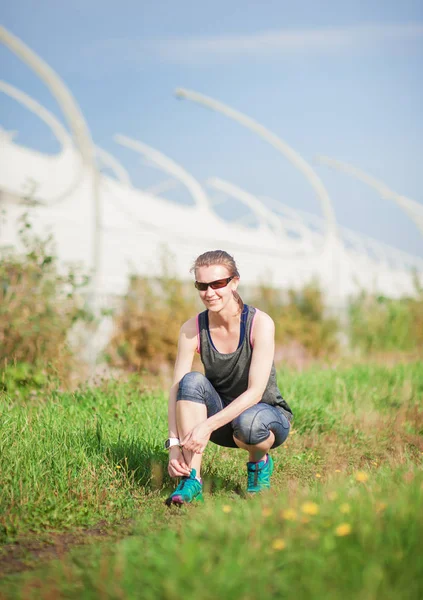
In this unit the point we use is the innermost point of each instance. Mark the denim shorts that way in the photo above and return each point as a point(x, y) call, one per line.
point(252, 426)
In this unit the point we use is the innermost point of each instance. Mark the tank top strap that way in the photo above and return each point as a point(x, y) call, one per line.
point(246, 327)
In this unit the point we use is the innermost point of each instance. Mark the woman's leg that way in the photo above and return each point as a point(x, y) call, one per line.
point(188, 415)
point(260, 428)
point(196, 401)
point(258, 451)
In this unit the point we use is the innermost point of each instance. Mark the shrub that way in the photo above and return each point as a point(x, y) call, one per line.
point(300, 316)
point(147, 326)
point(379, 323)
point(39, 303)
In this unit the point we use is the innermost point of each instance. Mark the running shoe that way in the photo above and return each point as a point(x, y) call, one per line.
point(189, 490)
point(259, 475)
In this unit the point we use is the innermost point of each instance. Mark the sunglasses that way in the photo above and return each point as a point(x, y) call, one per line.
point(215, 285)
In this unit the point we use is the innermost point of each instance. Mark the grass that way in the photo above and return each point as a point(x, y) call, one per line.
point(341, 520)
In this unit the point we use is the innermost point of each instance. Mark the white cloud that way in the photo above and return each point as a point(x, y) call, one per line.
point(266, 44)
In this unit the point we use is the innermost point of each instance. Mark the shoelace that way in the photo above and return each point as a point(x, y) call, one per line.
point(253, 478)
point(187, 482)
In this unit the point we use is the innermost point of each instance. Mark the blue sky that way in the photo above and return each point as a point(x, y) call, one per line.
point(337, 78)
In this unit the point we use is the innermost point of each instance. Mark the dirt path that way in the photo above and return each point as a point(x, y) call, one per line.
point(31, 552)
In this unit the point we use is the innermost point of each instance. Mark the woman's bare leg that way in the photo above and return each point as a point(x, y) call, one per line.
point(258, 451)
point(188, 415)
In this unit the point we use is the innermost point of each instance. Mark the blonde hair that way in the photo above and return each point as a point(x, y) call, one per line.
point(219, 257)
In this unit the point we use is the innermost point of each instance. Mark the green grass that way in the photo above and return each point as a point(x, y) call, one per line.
point(71, 460)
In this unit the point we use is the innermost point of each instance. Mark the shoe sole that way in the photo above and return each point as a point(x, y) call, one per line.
point(179, 501)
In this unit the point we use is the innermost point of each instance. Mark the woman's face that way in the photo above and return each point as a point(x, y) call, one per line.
point(212, 299)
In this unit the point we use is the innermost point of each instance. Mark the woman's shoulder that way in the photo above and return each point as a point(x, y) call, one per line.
point(262, 320)
point(189, 327)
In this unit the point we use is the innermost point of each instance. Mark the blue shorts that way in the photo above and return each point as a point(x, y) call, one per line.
point(252, 427)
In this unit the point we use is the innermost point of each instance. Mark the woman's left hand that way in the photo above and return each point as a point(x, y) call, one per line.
point(196, 440)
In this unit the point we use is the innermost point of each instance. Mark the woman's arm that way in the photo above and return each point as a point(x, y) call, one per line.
point(187, 344)
point(261, 365)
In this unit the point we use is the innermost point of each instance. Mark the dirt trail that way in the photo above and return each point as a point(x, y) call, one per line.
point(31, 552)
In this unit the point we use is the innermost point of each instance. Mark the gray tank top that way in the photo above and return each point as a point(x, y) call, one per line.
point(228, 373)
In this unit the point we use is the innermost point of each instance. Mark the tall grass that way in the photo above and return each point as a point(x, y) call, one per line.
point(379, 323)
point(341, 518)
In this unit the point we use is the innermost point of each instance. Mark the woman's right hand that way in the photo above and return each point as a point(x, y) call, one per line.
point(177, 466)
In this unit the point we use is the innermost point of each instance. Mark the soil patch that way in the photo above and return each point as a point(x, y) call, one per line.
point(30, 552)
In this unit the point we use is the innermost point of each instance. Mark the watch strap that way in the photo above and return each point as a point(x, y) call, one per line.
point(172, 442)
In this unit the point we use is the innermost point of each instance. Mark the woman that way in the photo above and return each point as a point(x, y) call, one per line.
point(236, 403)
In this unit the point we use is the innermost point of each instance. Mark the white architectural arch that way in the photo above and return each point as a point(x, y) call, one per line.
point(168, 166)
point(112, 163)
point(295, 221)
point(77, 125)
point(332, 250)
point(67, 155)
point(294, 157)
point(269, 221)
point(413, 209)
point(67, 163)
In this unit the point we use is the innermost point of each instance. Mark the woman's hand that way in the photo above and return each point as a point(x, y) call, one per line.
point(196, 440)
point(177, 466)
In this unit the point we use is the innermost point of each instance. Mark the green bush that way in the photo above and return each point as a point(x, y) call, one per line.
point(300, 316)
point(148, 324)
point(39, 304)
point(378, 323)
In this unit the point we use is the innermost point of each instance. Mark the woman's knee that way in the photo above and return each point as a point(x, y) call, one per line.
point(254, 426)
point(192, 387)
point(249, 428)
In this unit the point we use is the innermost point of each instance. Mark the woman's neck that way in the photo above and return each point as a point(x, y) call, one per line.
point(226, 317)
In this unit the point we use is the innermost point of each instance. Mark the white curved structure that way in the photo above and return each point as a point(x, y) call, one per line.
point(294, 157)
point(68, 167)
point(77, 125)
point(110, 162)
point(332, 250)
point(411, 207)
point(137, 223)
point(169, 166)
point(269, 221)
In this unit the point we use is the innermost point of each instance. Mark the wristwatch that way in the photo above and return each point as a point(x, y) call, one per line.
point(171, 442)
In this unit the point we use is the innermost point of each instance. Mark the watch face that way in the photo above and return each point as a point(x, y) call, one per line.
point(167, 444)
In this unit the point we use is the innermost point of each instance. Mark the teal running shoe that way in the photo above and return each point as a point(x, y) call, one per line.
point(259, 475)
point(188, 490)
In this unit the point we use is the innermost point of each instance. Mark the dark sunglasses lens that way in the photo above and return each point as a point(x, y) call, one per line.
point(220, 283)
point(215, 285)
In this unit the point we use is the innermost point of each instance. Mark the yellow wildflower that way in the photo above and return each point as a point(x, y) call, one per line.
point(361, 476)
point(310, 508)
point(226, 508)
point(278, 544)
point(118, 467)
point(317, 475)
point(289, 514)
point(345, 508)
point(337, 470)
point(266, 512)
point(343, 529)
